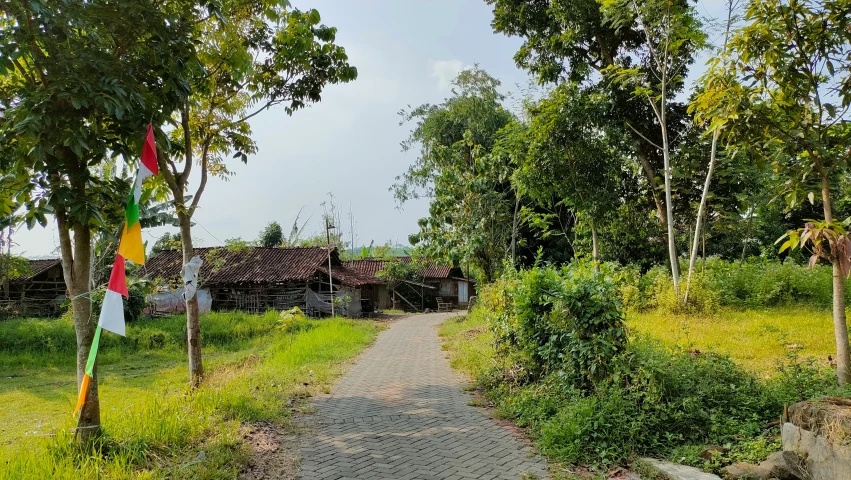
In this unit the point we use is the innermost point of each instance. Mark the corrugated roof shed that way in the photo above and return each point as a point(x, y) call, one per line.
point(250, 265)
point(370, 266)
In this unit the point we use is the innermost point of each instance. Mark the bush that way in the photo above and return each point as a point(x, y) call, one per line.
point(57, 335)
point(753, 284)
point(567, 319)
point(654, 400)
point(562, 367)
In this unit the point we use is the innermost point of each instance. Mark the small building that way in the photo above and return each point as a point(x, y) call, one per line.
point(40, 293)
point(433, 281)
point(257, 279)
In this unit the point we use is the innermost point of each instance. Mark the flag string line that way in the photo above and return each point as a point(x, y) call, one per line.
point(130, 247)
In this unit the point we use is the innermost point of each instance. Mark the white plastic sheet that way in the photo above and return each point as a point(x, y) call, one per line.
point(172, 301)
point(190, 277)
point(322, 302)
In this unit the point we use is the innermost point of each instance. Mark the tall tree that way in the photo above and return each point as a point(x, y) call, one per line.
point(254, 56)
point(788, 101)
point(671, 35)
point(471, 197)
point(572, 40)
point(569, 160)
point(79, 81)
point(714, 128)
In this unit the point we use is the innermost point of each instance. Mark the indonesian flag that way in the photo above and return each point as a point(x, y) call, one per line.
point(131, 248)
point(112, 311)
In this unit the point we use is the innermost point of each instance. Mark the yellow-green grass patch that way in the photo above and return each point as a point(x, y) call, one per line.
point(757, 339)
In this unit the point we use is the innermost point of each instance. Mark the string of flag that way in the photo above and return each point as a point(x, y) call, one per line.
point(130, 248)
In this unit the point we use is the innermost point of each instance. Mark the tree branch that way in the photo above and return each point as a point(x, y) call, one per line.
point(642, 136)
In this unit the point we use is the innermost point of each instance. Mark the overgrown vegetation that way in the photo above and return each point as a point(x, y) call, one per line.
point(602, 399)
point(155, 428)
point(755, 283)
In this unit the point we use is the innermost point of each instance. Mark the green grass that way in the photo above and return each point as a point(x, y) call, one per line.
point(469, 343)
point(758, 339)
point(153, 426)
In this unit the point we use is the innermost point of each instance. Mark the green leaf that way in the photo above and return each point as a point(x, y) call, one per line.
point(314, 17)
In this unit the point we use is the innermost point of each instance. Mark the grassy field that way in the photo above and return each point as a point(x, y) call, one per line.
point(757, 339)
point(154, 427)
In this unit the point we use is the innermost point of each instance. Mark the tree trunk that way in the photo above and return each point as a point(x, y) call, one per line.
point(193, 321)
point(840, 325)
point(514, 231)
point(595, 246)
point(700, 210)
point(669, 202)
point(76, 269)
point(644, 161)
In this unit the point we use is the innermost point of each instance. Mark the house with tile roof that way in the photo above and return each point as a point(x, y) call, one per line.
point(39, 293)
point(434, 281)
point(257, 279)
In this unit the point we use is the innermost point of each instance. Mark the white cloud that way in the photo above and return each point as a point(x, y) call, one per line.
point(445, 71)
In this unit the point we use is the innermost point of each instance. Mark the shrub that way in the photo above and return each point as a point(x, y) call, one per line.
point(567, 319)
point(701, 297)
point(654, 400)
point(755, 283)
point(562, 367)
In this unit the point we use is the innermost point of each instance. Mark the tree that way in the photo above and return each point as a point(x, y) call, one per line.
point(715, 129)
point(787, 98)
point(569, 160)
point(671, 35)
point(572, 40)
point(78, 83)
point(262, 55)
point(472, 199)
point(169, 241)
point(272, 236)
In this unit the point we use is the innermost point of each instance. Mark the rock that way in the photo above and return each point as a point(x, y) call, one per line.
point(710, 451)
point(778, 466)
point(741, 471)
point(676, 472)
point(795, 464)
point(819, 430)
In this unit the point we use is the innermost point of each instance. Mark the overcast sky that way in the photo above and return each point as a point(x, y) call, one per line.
point(406, 53)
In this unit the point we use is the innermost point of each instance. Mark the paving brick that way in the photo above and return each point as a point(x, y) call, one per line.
point(400, 413)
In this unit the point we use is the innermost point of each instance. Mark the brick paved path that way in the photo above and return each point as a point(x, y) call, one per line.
point(400, 414)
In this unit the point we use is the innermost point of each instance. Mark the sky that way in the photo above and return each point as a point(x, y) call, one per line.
point(407, 52)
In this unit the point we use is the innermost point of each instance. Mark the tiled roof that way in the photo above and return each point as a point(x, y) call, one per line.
point(252, 265)
point(38, 267)
point(370, 266)
point(347, 276)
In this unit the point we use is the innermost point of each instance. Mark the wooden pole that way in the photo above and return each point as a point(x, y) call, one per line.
point(328, 228)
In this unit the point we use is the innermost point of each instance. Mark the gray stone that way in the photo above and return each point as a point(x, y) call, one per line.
point(743, 471)
point(678, 472)
point(824, 461)
point(778, 466)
